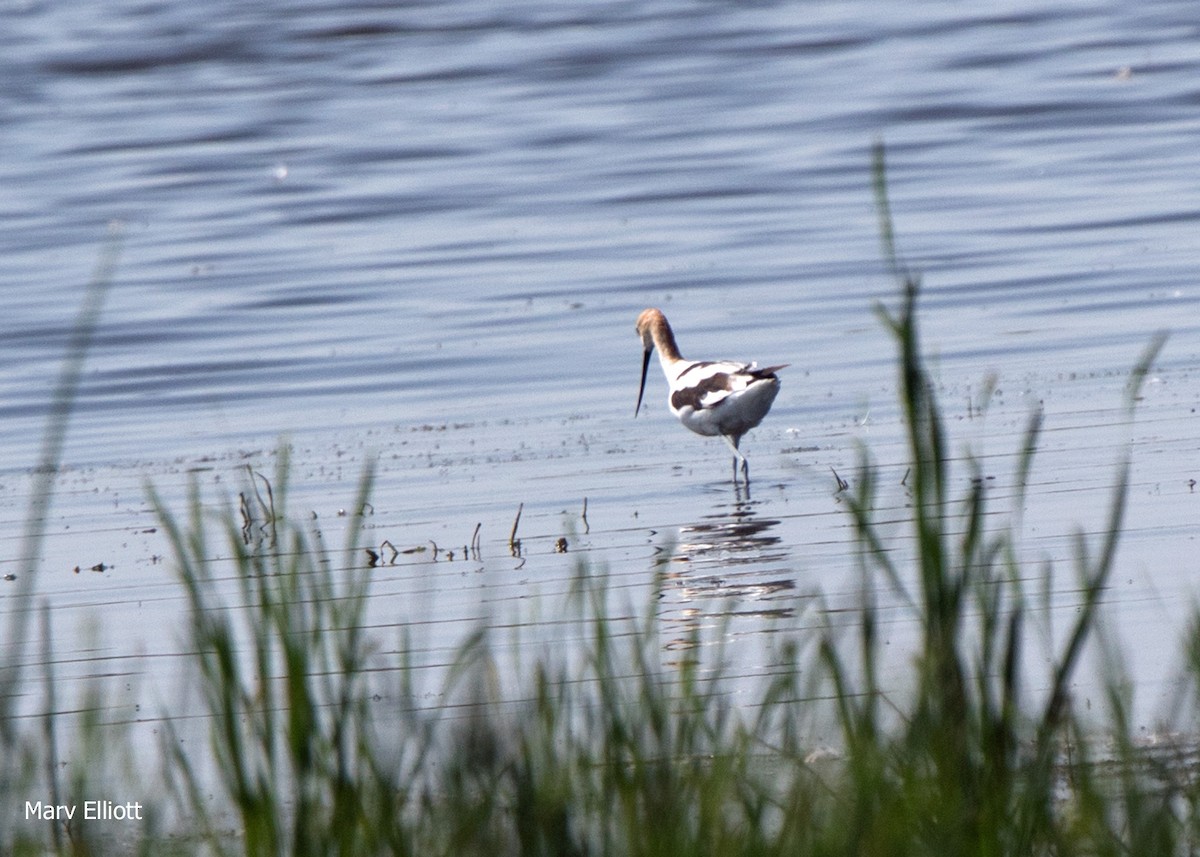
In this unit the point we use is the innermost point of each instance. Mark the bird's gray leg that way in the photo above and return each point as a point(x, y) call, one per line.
point(737, 455)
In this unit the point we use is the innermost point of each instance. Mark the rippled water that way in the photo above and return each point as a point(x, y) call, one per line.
point(423, 234)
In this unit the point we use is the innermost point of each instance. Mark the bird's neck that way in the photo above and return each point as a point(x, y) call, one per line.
point(664, 341)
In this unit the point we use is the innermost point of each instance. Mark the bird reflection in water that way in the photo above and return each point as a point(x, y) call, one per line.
point(729, 566)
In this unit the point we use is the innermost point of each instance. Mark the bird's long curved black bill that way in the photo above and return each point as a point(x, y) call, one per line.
point(642, 389)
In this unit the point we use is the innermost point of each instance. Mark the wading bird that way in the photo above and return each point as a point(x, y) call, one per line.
point(709, 397)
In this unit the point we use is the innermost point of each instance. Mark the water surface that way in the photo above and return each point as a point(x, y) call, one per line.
point(420, 235)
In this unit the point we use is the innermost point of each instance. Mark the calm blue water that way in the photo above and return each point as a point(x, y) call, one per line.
point(423, 233)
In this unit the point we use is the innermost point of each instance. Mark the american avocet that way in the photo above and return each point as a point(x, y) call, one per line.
point(710, 397)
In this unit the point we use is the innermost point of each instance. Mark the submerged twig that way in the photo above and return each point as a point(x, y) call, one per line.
point(475, 552)
point(268, 507)
point(514, 544)
point(247, 518)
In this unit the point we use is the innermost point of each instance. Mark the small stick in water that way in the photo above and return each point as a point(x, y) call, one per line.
point(514, 544)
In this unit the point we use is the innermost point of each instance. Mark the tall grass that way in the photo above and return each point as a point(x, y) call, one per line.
point(977, 763)
point(22, 753)
point(318, 743)
point(283, 666)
